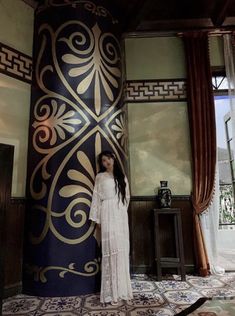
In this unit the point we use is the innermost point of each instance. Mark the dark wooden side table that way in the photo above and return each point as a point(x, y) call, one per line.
point(169, 262)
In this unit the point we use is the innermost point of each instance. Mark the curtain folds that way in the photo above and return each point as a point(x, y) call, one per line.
point(210, 227)
point(201, 113)
point(229, 57)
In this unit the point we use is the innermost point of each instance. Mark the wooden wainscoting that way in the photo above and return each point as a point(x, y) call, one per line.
point(6, 167)
point(14, 247)
point(142, 233)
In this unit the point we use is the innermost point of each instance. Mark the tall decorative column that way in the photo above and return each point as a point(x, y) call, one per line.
point(76, 112)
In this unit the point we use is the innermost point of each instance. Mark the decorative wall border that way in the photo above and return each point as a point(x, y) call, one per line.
point(155, 90)
point(18, 65)
point(15, 64)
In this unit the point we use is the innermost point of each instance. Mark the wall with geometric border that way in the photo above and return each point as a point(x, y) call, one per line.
point(16, 41)
point(157, 112)
point(157, 115)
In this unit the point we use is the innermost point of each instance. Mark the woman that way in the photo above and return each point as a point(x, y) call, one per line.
point(109, 206)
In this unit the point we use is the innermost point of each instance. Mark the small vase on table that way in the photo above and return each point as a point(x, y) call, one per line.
point(164, 195)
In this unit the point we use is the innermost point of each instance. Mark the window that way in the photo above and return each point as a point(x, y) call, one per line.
point(225, 147)
point(220, 84)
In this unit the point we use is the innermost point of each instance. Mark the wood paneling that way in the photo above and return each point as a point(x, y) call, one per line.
point(6, 166)
point(14, 246)
point(142, 237)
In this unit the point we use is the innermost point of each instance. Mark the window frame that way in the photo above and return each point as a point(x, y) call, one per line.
point(220, 72)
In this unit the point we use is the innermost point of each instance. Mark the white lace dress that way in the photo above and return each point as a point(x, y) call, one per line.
point(115, 246)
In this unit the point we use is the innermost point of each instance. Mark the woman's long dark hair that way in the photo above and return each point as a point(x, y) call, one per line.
point(119, 176)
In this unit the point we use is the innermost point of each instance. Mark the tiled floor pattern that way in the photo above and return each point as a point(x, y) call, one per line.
point(165, 298)
point(215, 307)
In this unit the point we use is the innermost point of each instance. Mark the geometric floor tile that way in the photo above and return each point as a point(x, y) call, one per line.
point(208, 282)
point(151, 298)
point(172, 285)
point(20, 306)
point(142, 286)
point(218, 293)
point(147, 299)
point(106, 313)
point(61, 314)
point(93, 302)
point(182, 297)
point(156, 311)
point(60, 304)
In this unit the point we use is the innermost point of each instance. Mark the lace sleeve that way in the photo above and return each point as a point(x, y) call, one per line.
point(95, 203)
point(127, 191)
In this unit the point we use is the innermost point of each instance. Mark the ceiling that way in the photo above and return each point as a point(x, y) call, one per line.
point(172, 15)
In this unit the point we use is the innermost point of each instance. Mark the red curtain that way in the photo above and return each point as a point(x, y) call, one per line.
point(202, 133)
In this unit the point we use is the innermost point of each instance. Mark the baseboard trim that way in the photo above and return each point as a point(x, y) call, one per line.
point(156, 198)
point(12, 290)
point(18, 200)
point(142, 269)
point(147, 269)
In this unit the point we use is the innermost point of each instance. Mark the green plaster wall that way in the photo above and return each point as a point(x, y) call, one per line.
point(155, 58)
point(16, 31)
point(16, 25)
point(216, 51)
point(163, 57)
point(159, 147)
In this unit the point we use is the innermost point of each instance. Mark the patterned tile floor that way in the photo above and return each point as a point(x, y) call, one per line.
point(213, 307)
point(151, 298)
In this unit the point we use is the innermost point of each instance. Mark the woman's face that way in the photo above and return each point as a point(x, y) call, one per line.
point(107, 162)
